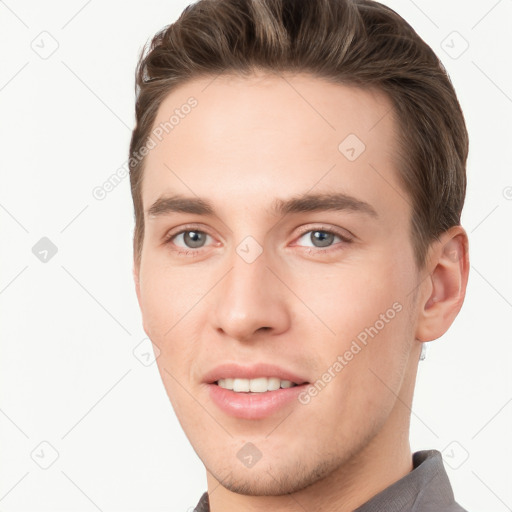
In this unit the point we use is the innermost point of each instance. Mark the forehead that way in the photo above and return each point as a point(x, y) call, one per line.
point(251, 139)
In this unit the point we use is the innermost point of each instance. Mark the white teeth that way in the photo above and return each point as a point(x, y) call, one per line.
point(258, 385)
point(240, 385)
point(273, 384)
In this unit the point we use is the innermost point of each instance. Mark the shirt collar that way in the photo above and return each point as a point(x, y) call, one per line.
point(425, 489)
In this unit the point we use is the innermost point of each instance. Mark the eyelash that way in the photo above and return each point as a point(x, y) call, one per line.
point(191, 253)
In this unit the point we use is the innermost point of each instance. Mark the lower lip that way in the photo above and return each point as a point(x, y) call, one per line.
point(253, 406)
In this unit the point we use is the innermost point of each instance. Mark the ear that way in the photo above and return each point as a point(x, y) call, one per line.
point(445, 286)
point(136, 278)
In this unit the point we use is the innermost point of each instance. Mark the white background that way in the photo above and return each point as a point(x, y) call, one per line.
point(69, 376)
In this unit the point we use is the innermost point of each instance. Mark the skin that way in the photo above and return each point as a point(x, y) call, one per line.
point(251, 140)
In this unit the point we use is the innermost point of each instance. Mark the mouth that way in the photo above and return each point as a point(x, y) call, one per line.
point(253, 392)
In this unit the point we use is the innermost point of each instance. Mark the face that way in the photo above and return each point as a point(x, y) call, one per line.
point(278, 249)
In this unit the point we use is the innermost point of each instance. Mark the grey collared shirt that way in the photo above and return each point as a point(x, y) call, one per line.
point(425, 489)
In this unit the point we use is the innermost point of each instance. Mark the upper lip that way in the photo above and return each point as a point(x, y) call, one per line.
point(232, 370)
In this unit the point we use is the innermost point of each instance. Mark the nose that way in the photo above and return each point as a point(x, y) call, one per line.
point(251, 301)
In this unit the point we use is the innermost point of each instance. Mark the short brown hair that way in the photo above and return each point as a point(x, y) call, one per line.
point(356, 42)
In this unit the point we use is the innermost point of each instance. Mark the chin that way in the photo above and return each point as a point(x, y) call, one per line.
point(271, 479)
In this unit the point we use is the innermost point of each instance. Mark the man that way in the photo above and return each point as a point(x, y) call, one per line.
point(298, 175)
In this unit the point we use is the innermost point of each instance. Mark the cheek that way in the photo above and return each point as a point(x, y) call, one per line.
point(345, 300)
point(365, 318)
point(170, 303)
point(168, 295)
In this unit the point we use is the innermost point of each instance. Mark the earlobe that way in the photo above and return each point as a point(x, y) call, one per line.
point(446, 285)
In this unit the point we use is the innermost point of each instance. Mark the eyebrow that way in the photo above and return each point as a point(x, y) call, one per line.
point(304, 203)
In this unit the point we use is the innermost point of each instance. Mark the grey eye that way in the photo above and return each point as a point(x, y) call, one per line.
point(318, 238)
point(323, 238)
point(193, 239)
